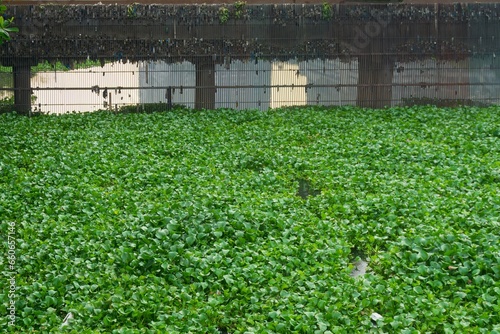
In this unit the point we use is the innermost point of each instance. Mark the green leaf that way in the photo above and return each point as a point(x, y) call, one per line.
point(190, 240)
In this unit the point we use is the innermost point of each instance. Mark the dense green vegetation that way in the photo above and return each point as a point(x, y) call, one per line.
point(187, 221)
point(6, 25)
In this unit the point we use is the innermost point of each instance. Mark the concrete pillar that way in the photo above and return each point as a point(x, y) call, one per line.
point(205, 83)
point(21, 69)
point(374, 39)
point(375, 80)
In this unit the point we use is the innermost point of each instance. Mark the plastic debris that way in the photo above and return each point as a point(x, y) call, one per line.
point(67, 319)
point(359, 269)
point(376, 317)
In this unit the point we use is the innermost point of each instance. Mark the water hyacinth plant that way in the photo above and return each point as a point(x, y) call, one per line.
point(191, 222)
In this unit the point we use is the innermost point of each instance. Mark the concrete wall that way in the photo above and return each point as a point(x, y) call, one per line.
point(162, 74)
point(431, 79)
point(239, 74)
point(484, 77)
point(332, 82)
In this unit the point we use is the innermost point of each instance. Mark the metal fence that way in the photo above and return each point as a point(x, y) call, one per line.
point(238, 84)
point(370, 63)
point(254, 84)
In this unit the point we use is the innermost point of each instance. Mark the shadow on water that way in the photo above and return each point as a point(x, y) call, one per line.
point(305, 189)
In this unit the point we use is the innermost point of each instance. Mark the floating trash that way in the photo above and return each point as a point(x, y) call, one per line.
point(67, 319)
point(359, 269)
point(360, 262)
point(375, 317)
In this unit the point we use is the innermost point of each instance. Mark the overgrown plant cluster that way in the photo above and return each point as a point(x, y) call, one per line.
point(191, 222)
point(326, 11)
point(238, 11)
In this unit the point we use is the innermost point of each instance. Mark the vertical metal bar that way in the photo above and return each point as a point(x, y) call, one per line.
point(169, 98)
